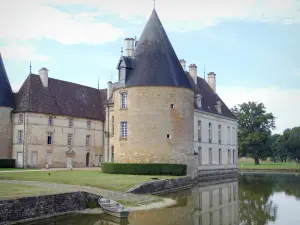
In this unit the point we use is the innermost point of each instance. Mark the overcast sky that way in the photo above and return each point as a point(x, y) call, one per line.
point(252, 46)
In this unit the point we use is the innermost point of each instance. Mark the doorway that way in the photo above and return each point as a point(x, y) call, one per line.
point(69, 162)
point(34, 159)
point(20, 159)
point(87, 160)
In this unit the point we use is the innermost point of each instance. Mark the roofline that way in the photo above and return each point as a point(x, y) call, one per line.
point(181, 87)
point(214, 114)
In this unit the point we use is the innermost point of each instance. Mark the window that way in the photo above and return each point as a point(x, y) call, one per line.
point(199, 156)
point(21, 118)
point(220, 196)
point(49, 158)
point(228, 135)
point(50, 121)
point(210, 218)
point(169, 136)
point(88, 124)
point(200, 201)
point(228, 157)
point(172, 106)
point(210, 199)
point(220, 156)
point(112, 153)
point(229, 193)
point(112, 125)
point(69, 139)
point(233, 157)
point(233, 136)
point(70, 123)
point(122, 75)
point(209, 133)
point(124, 100)
point(199, 131)
point(219, 134)
point(87, 140)
point(199, 101)
point(221, 216)
point(123, 131)
point(210, 156)
point(49, 139)
point(234, 193)
point(20, 137)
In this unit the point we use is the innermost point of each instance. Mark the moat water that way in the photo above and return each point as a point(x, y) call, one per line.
point(254, 199)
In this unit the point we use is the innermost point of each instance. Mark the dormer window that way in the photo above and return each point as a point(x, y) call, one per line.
point(124, 67)
point(219, 106)
point(122, 75)
point(199, 101)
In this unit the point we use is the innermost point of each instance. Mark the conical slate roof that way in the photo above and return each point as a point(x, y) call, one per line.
point(155, 62)
point(6, 94)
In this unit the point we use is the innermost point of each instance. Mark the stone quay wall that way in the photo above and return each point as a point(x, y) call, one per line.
point(161, 187)
point(30, 208)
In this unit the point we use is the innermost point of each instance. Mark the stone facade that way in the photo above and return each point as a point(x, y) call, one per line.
point(5, 133)
point(37, 151)
point(150, 119)
point(35, 207)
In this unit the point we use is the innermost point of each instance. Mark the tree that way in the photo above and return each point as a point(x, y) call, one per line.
point(254, 128)
point(294, 144)
point(272, 147)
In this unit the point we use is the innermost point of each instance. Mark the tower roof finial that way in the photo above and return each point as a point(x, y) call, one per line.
point(30, 67)
point(153, 4)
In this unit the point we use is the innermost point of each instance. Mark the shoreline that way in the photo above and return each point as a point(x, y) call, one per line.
point(285, 171)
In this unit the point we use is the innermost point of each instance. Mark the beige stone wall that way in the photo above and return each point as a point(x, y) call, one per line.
point(5, 133)
point(35, 140)
point(150, 118)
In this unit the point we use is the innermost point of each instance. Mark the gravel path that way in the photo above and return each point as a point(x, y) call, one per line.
point(146, 201)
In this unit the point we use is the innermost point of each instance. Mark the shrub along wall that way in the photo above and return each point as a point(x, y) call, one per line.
point(7, 163)
point(145, 168)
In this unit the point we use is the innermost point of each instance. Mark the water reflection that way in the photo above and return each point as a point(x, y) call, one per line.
point(252, 200)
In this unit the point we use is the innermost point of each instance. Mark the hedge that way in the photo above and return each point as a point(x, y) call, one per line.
point(7, 163)
point(145, 168)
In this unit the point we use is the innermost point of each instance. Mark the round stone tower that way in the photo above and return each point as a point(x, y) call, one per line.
point(7, 104)
point(155, 106)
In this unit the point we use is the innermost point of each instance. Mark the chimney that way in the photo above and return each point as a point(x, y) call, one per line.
point(109, 89)
point(183, 64)
point(129, 46)
point(211, 80)
point(193, 72)
point(43, 72)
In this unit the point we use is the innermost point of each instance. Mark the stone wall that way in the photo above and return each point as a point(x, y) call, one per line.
point(5, 133)
point(40, 206)
point(172, 185)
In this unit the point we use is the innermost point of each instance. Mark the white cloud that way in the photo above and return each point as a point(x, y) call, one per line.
point(283, 103)
point(26, 52)
point(194, 14)
point(30, 19)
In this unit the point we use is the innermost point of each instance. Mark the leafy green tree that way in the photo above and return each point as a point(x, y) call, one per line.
point(272, 147)
point(283, 146)
point(294, 144)
point(255, 127)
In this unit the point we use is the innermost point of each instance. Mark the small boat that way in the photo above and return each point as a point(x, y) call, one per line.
point(113, 208)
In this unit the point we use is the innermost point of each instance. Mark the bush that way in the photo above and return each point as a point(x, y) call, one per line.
point(7, 163)
point(145, 168)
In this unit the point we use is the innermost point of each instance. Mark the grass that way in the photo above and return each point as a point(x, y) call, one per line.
point(10, 169)
point(116, 182)
point(9, 191)
point(268, 165)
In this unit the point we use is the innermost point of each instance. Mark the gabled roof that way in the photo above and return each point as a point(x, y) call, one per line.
point(155, 61)
point(6, 94)
point(209, 98)
point(127, 61)
point(60, 98)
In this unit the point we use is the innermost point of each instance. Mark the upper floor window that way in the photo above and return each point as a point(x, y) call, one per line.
point(123, 102)
point(112, 125)
point(20, 137)
point(233, 156)
point(21, 119)
point(209, 133)
point(70, 123)
point(229, 157)
point(50, 121)
point(233, 136)
point(69, 139)
point(88, 124)
point(228, 135)
point(220, 134)
point(123, 130)
point(87, 140)
point(49, 139)
point(199, 131)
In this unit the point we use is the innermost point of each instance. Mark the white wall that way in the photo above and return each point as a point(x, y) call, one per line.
point(36, 131)
point(225, 145)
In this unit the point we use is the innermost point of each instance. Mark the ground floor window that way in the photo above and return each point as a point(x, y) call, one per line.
point(123, 129)
point(49, 159)
point(199, 156)
point(33, 159)
point(112, 153)
point(220, 156)
point(210, 156)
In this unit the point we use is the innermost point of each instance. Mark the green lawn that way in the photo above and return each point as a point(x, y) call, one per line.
point(117, 182)
point(11, 191)
point(9, 169)
point(249, 164)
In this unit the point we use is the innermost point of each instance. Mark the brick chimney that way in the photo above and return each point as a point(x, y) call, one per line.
point(193, 72)
point(129, 46)
point(43, 72)
point(211, 80)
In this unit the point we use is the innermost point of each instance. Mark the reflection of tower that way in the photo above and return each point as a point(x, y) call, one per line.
point(217, 204)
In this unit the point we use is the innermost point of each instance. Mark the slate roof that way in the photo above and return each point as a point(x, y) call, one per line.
point(6, 94)
point(209, 98)
point(155, 62)
point(60, 98)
